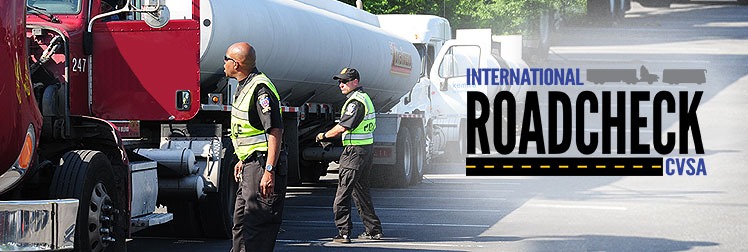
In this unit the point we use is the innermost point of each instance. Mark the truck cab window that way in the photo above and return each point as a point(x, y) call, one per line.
point(112, 5)
point(458, 59)
point(57, 6)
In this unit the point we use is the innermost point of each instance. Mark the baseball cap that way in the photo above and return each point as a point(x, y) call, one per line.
point(347, 74)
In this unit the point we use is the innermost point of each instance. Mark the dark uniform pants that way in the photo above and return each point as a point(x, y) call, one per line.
point(257, 220)
point(353, 181)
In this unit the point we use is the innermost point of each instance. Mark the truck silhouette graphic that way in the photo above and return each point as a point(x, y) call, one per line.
point(677, 76)
point(600, 76)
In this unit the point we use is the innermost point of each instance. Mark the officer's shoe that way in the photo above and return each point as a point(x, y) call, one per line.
point(370, 236)
point(341, 238)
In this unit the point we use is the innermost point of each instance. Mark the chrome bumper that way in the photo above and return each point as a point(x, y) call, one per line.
point(37, 225)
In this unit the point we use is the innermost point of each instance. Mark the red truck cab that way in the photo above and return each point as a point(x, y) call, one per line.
point(21, 120)
point(24, 224)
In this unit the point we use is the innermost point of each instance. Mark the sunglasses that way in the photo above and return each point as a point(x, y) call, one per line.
point(343, 81)
point(226, 58)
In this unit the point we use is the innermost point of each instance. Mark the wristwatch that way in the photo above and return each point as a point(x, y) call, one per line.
point(269, 168)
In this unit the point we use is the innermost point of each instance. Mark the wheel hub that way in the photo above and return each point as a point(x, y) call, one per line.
point(100, 219)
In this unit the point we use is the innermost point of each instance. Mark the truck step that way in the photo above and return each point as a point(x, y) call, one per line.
point(151, 220)
point(142, 165)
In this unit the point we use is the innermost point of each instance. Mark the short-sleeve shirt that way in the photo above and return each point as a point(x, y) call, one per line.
point(267, 108)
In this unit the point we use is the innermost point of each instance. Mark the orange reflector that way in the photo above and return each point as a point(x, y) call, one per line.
point(215, 99)
point(24, 159)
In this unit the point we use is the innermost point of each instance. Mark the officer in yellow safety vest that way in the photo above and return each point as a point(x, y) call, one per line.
point(256, 133)
point(357, 124)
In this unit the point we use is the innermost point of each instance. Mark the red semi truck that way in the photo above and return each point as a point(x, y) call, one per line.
point(24, 224)
point(120, 106)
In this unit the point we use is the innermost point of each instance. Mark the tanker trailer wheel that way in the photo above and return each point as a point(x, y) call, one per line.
point(419, 151)
point(456, 151)
point(88, 176)
point(401, 173)
point(217, 209)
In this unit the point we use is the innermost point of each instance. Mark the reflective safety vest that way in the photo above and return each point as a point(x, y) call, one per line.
point(246, 138)
point(363, 133)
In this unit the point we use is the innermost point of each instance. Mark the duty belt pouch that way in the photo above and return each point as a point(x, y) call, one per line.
point(279, 168)
point(262, 159)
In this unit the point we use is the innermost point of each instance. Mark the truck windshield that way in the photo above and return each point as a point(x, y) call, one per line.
point(57, 6)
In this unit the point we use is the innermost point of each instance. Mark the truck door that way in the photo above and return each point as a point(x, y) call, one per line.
point(144, 73)
point(449, 95)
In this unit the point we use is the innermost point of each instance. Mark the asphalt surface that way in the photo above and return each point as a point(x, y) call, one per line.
point(452, 212)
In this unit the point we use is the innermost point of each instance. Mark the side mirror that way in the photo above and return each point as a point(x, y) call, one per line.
point(443, 84)
point(156, 13)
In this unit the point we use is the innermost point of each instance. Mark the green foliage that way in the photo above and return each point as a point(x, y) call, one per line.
point(502, 16)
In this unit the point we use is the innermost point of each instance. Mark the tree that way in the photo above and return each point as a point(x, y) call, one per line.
point(502, 16)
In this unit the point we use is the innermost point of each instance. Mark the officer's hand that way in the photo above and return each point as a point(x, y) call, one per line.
point(320, 137)
point(327, 146)
point(238, 171)
point(267, 184)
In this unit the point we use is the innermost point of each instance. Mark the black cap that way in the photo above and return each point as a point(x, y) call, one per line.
point(347, 74)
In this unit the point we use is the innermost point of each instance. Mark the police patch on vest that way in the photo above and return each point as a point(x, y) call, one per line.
point(264, 100)
point(350, 109)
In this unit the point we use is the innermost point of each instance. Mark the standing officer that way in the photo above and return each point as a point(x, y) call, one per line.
point(357, 123)
point(256, 132)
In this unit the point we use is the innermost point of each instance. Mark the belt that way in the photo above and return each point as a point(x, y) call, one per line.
point(261, 155)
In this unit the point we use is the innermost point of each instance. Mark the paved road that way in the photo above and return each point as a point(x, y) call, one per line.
point(451, 212)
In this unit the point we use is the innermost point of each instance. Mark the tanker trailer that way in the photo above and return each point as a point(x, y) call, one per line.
point(304, 45)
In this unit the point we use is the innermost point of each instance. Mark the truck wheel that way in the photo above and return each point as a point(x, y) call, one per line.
point(88, 176)
point(402, 172)
point(419, 152)
point(311, 170)
point(217, 209)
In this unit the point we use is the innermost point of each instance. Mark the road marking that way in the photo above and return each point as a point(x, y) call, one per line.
point(382, 242)
point(470, 183)
point(440, 190)
point(410, 198)
point(394, 224)
point(407, 209)
point(577, 207)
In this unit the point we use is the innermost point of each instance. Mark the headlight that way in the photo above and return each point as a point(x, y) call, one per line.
point(23, 162)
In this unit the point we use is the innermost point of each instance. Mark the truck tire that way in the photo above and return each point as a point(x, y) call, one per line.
point(419, 161)
point(401, 173)
point(311, 170)
point(88, 176)
point(217, 209)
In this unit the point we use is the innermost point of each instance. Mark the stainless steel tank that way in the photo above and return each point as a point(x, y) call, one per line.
point(300, 46)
